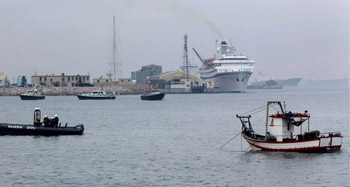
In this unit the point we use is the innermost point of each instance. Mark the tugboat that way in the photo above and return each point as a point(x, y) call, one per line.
point(49, 127)
point(152, 94)
point(95, 95)
point(279, 133)
point(32, 95)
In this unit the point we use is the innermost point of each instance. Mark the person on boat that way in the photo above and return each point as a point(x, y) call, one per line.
point(270, 137)
point(55, 124)
point(37, 123)
point(51, 121)
point(46, 121)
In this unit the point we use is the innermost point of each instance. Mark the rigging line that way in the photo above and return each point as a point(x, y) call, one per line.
point(258, 108)
point(254, 110)
point(258, 111)
point(275, 108)
point(262, 109)
point(230, 139)
point(246, 148)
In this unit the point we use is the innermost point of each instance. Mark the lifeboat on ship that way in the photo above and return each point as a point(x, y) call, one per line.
point(280, 133)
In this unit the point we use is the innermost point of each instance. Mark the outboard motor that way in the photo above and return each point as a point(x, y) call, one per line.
point(37, 117)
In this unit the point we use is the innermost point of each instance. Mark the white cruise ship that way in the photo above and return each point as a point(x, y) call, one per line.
point(227, 71)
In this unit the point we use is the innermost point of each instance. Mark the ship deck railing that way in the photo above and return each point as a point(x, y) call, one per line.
point(299, 137)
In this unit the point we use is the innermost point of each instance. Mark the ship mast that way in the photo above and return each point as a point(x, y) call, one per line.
point(185, 55)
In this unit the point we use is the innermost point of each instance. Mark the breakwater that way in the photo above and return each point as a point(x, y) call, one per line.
point(59, 91)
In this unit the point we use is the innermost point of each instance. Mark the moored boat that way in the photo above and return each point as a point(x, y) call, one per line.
point(32, 95)
point(279, 133)
point(152, 94)
point(45, 128)
point(95, 95)
point(21, 129)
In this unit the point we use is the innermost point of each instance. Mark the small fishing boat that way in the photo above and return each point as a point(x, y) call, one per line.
point(96, 95)
point(152, 94)
point(279, 133)
point(45, 128)
point(32, 95)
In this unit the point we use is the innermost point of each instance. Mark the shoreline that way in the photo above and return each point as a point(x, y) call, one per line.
point(116, 90)
point(71, 91)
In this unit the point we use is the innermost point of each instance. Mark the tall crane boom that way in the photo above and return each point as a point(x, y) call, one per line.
point(200, 58)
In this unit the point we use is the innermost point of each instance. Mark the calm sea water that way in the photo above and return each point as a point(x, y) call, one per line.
point(175, 142)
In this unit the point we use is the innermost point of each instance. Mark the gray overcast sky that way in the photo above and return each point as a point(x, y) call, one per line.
point(286, 38)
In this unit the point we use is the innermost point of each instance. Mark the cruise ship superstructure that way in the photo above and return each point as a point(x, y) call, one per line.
point(227, 71)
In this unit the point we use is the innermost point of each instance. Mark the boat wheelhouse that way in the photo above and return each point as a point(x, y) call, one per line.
point(282, 133)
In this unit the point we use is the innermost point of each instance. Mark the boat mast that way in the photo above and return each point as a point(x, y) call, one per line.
point(267, 114)
point(267, 119)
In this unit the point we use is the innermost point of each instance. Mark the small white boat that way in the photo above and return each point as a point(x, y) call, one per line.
point(33, 94)
point(280, 135)
point(95, 95)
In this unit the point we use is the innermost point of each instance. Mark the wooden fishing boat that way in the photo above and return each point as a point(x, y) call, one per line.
point(280, 136)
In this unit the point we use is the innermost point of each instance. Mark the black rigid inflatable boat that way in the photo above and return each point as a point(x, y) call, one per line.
point(48, 127)
point(20, 129)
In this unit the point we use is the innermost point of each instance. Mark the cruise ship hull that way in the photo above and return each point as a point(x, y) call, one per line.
point(230, 82)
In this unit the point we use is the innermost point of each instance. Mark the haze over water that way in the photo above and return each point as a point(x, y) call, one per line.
point(175, 142)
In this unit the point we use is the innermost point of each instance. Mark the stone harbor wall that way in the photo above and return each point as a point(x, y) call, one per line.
point(56, 91)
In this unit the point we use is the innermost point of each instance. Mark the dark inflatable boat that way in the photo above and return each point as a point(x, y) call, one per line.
point(19, 129)
point(48, 127)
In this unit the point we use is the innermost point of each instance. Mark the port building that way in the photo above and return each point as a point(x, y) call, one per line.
point(61, 80)
point(4, 82)
point(142, 76)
